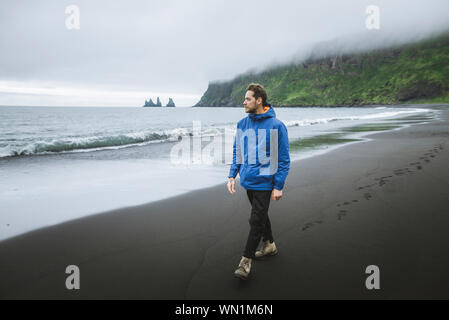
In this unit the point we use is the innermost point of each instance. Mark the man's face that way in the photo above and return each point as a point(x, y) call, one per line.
point(250, 103)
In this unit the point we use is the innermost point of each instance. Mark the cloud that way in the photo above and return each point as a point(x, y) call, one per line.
point(177, 47)
point(32, 94)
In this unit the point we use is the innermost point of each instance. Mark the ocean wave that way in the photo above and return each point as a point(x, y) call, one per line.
point(91, 143)
point(101, 142)
point(309, 122)
point(12, 148)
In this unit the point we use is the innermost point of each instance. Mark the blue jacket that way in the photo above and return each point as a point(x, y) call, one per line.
point(257, 172)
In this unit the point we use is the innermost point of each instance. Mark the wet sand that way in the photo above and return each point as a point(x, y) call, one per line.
point(383, 202)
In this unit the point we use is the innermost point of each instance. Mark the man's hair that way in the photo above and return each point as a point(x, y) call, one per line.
point(259, 92)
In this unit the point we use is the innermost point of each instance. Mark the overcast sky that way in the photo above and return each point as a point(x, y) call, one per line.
point(127, 51)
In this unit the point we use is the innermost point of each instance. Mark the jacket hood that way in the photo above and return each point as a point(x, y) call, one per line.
point(259, 116)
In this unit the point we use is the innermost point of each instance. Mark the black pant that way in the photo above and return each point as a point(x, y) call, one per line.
point(259, 221)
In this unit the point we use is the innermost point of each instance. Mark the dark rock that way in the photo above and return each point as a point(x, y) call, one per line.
point(420, 89)
point(170, 103)
point(149, 103)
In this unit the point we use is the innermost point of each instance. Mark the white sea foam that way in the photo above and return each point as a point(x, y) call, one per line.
point(308, 122)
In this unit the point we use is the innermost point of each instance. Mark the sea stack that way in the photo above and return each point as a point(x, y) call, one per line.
point(149, 103)
point(170, 103)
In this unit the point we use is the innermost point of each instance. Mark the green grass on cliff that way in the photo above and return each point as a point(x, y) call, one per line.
point(417, 73)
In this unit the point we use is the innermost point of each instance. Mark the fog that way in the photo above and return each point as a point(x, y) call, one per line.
point(127, 51)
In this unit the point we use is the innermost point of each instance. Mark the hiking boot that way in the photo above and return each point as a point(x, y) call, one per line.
point(243, 269)
point(269, 249)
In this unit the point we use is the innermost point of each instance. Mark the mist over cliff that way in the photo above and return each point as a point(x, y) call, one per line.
point(355, 71)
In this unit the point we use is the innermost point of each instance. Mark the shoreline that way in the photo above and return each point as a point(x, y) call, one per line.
point(358, 136)
point(402, 105)
point(382, 202)
point(166, 140)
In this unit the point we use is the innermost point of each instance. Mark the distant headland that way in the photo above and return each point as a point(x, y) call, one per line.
point(415, 72)
point(158, 103)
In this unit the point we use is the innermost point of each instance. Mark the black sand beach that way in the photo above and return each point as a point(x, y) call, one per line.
point(383, 202)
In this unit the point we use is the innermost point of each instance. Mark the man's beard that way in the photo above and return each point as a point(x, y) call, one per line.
point(248, 110)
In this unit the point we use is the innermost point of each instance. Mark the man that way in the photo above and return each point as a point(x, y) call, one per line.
point(260, 137)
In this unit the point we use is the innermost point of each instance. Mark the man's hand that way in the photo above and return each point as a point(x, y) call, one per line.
point(276, 194)
point(231, 185)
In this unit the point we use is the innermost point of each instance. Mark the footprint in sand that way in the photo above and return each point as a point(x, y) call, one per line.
point(345, 203)
point(400, 172)
point(367, 196)
point(341, 214)
point(383, 180)
point(311, 224)
point(307, 226)
point(367, 186)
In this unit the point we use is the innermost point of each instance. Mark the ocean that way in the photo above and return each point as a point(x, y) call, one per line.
point(62, 163)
